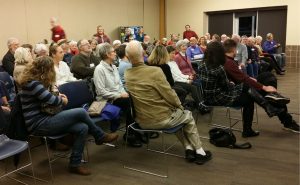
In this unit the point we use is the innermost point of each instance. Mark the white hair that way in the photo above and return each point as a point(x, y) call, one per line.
point(134, 52)
point(115, 42)
point(73, 42)
point(235, 36)
point(40, 48)
point(11, 40)
point(104, 49)
point(22, 56)
point(258, 37)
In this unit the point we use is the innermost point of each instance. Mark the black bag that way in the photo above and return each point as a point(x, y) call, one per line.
point(225, 138)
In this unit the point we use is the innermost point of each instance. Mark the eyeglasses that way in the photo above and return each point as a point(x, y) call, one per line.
point(85, 44)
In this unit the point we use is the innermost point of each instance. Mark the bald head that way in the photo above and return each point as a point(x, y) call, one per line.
point(134, 52)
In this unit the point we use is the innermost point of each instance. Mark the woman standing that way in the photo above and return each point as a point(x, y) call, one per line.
point(35, 82)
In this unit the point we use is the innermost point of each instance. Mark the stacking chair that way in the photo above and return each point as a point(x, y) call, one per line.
point(9, 148)
point(164, 148)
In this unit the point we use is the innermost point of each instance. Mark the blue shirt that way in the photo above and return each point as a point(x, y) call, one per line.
point(123, 66)
point(194, 52)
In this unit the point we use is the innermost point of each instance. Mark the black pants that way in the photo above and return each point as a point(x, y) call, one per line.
point(269, 79)
point(4, 121)
point(190, 88)
point(181, 93)
point(124, 104)
point(247, 103)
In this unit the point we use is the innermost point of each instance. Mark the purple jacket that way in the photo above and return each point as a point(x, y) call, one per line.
point(268, 47)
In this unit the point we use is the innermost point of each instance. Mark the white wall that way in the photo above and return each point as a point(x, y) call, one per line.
point(28, 20)
point(179, 13)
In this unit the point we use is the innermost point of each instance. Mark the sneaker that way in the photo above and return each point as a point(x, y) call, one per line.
point(277, 98)
point(190, 155)
point(293, 127)
point(250, 133)
point(201, 159)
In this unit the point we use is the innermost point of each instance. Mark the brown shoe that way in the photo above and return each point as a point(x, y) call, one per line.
point(107, 138)
point(80, 170)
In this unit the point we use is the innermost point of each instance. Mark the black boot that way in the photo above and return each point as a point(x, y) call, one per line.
point(261, 101)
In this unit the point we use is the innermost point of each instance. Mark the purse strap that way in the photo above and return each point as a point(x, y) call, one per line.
point(246, 145)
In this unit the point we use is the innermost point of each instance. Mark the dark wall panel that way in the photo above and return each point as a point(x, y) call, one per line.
point(273, 21)
point(220, 23)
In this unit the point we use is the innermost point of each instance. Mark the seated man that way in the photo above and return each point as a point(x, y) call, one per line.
point(8, 61)
point(83, 64)
point(157, 106)
point(4, 110)
point(235, 75)
point(194, 52)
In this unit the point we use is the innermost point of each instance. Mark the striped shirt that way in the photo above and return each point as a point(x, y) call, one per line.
point(32, 96)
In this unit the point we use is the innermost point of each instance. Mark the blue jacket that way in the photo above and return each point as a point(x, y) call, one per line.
point(192, 51)
point(268, 47)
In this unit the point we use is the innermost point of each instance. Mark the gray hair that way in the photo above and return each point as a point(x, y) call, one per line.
point(72, 42)
point(11, 40)
point(235, 36)
point(258, 37)
point(180, 43)
point(134, 52)
point(40, 48)
point(104, 50)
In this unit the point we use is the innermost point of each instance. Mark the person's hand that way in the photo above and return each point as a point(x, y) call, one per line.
point(5, 108)
point(124, 95)
point(278, 45)
point(242, 65)
point(249, 61)
point(64, 99)
point(253, 79)
point(269, 89)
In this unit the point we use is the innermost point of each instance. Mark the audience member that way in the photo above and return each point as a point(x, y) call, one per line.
point(182, 60)
point(37, 78)
point(188, 33)
point(270, 46)
point(223, 37)
point(157, 106)
point(73, 47)
point(150, 46)
point(58, 32)
point(173, 40)
point(83, 64)
point(124, 62)
point(22, 57)
point(215, 38)
point(207, 37)
point(100, 36)
point(41, 50)
point(8, 61)
point(62, 70)
point(66, 49)
point(109, 87)
point(194, 52)
point(241, 53)
point(4, 110)
point(202, 43)
point(140, 35)
point(253, 58)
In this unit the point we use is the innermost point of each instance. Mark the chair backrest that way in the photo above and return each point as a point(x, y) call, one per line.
point(8, 81)
point(78, 94)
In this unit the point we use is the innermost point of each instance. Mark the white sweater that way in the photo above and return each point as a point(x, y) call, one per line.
point(63, 74)
point(107, 81)
point(177, 74)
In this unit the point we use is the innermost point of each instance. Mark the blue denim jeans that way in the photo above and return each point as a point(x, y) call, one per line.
point(252, 69)
point(74, 121)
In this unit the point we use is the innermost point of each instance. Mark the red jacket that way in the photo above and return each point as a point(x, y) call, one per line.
point(189, 34)
point(237, 76)
point(184, 64)
point(104, 38)
point(58, 33)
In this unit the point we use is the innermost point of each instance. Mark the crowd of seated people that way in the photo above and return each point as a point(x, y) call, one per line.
point(158, 76)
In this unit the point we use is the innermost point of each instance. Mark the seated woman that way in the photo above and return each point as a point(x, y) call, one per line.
point(182, 60)
point(159, 57)
point(22, 58)
point(62, 70)
point(36, 79)
point(109, 86)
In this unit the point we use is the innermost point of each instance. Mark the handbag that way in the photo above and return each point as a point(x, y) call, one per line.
point(225, 138)
point(51, 109)
point(110, 112)
point(96, 107)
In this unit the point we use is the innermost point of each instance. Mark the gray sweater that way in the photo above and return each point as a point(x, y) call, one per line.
point(241, 53)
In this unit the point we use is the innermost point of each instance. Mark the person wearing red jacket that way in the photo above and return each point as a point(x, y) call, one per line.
point(188, 33)
point(58, 32)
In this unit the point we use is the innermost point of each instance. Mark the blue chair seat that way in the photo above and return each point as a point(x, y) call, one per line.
point(172, 130)
point(10, 147)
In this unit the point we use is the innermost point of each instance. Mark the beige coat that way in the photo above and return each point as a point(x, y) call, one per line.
point(154, 99)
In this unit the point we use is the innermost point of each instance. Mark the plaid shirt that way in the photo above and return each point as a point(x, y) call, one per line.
point(217, 90)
